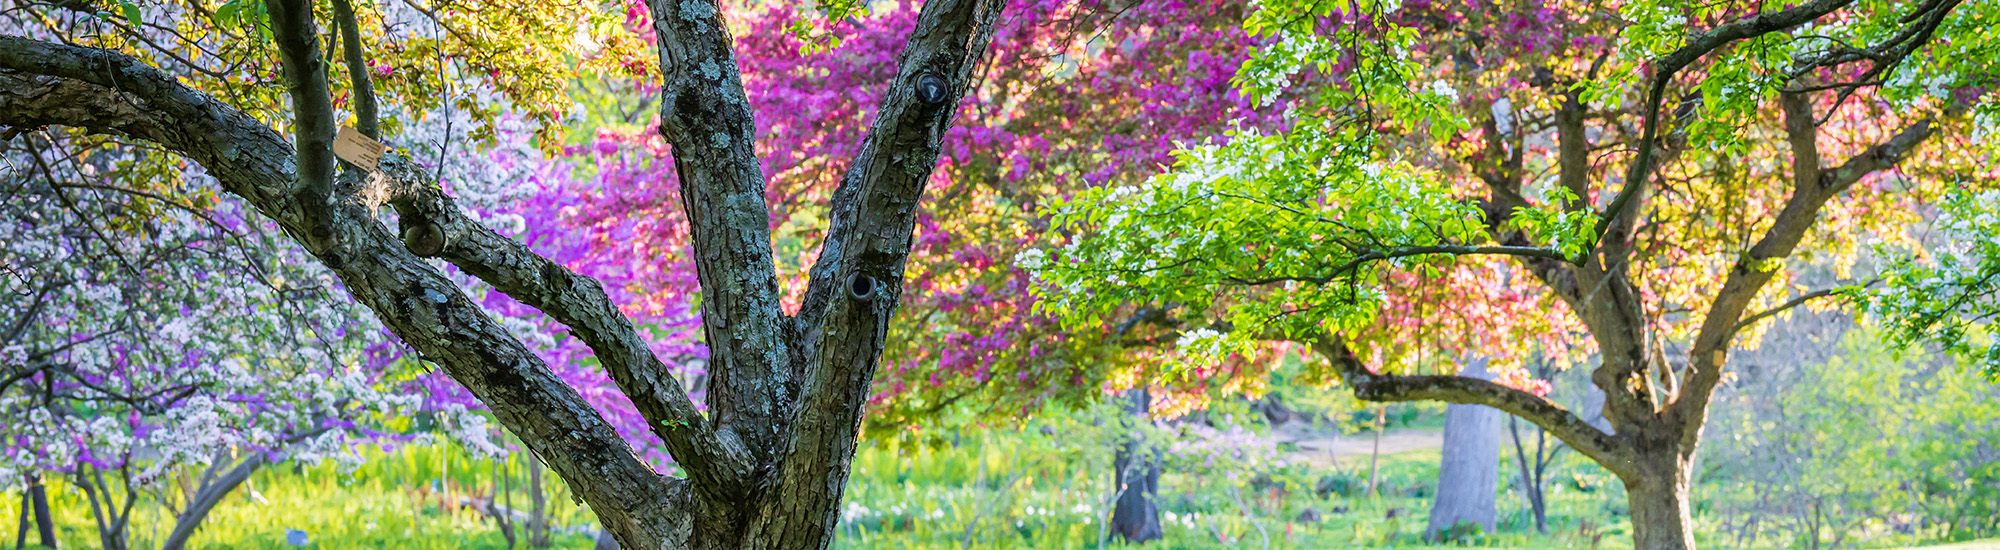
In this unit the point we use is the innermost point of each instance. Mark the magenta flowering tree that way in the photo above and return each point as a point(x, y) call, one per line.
point(970, 338)
point(1031, 138)
point(568, 209)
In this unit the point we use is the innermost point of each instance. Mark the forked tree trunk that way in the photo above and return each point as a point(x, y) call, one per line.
point(766, 463)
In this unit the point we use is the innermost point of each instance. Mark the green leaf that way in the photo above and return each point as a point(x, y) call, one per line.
point(131, 11)
point(229, 14)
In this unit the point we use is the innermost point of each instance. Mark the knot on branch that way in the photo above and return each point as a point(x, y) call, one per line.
point(421, 221)
point(425, 239)
point(932, 89)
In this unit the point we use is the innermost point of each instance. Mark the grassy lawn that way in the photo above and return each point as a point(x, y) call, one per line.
point(1987, 544)
point(999, 491)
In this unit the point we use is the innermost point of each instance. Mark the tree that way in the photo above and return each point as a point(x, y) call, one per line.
point(1469, 472)
point(967, 338)
point(1135, 517)
point(765, 467)
point(1828, 430)
point(1654, 168)
point(156, 345)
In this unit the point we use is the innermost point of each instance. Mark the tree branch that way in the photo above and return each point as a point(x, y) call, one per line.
point(857, 280)
point(1663, 74)
point(107, 92)
point(1922, 22)
point(706, 116)
point(1793, 303)
point(312, 100)
point(1617, 321)
point(1607, 449)
point(1813, 187)
point(716, 462)
point(211, 492)
point(1573, 150)
point(362, 90)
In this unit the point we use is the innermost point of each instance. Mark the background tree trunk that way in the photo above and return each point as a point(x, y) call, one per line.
point(1531, 473)
point(21, 527)
point(1375, 456)
point(206, 498)
point(1470, 474)
point(38, 498)
point(1136, 517)
point(1593, 409)
point(538, 523)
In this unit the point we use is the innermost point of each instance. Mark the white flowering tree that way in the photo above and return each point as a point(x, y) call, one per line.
point(1663, 177)
point(149, 342)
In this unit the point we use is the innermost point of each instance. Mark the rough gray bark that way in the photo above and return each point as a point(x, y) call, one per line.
point(1470, 474)
point(1661, 517)
point(767, 467)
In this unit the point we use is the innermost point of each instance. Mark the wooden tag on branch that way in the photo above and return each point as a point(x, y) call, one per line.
point(358, 149)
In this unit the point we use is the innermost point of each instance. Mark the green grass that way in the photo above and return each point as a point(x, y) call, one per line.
point(1004, 490)
point(385, 503)
point(1988, 544)
point(927, 499)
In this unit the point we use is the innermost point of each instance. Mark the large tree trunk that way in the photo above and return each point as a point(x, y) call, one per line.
point(1470, 473)
point(1135, 517)
point(1661, 517)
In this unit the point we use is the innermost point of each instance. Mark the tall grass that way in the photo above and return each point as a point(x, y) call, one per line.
point(401, 498)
